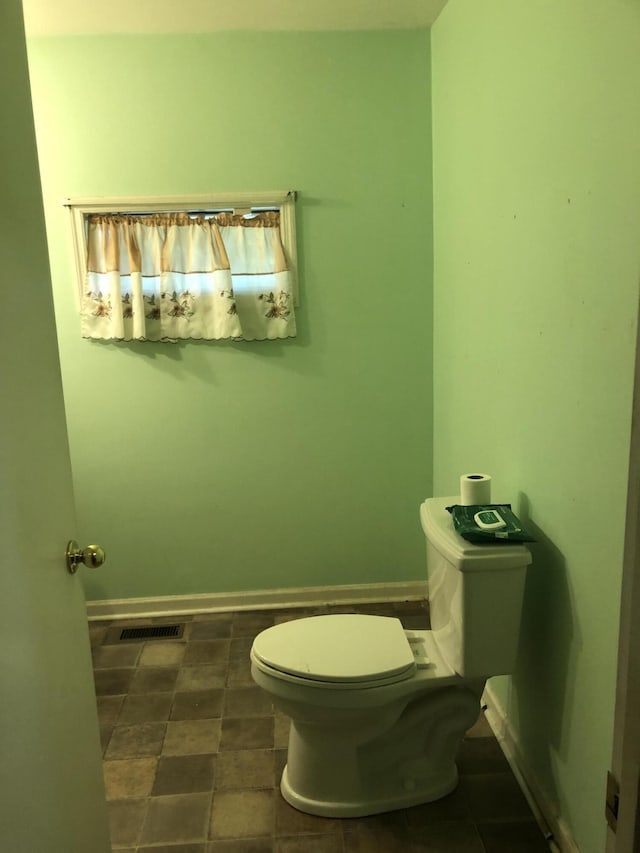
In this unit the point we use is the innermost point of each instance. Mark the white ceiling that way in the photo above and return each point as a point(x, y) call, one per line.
point(74, 17)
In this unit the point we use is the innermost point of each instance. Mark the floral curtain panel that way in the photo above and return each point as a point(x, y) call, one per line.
point(169, 276)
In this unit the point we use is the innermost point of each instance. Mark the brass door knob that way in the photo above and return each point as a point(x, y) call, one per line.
point(92, 556)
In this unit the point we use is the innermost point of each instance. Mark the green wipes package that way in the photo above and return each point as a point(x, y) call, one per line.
point(488, 523)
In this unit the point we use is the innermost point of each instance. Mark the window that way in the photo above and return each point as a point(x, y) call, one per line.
point(164, 269)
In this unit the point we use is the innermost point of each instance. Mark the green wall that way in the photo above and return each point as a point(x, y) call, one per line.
point(537, 257)
point(207, 467)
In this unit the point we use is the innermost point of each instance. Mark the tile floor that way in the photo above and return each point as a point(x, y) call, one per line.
point(193, 754)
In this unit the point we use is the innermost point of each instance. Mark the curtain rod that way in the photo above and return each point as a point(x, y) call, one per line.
point(184, 202)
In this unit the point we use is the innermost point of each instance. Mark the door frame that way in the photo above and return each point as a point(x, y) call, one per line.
point(625, 761)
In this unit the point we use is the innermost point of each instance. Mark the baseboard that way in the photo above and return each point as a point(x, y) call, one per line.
point(262, 599)
point(553, 826)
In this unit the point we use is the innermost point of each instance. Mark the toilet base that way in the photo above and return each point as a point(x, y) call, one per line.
point(435, 790)
point(358, 762)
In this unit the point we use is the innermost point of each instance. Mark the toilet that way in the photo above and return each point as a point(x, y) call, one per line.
point(378, 712)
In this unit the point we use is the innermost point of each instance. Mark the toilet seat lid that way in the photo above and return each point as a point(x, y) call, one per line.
point(337, 648)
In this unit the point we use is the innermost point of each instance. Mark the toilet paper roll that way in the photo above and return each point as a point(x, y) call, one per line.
point(475, 489)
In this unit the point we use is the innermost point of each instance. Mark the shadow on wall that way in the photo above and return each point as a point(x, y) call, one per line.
point(549, 639)
point(201, 364)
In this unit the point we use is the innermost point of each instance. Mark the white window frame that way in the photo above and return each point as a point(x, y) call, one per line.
point(239, 203)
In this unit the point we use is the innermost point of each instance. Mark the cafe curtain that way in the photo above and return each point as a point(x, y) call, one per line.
point(173, 276)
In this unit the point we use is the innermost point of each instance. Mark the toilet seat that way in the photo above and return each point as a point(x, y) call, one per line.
point(341, 650)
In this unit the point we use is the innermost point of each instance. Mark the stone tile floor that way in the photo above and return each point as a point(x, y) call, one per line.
point(193, 753)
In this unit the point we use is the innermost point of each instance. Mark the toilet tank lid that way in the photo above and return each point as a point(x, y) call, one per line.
point(337, 647)
point(438, 527)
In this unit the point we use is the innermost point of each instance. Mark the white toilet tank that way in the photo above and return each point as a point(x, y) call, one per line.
point(475, 595)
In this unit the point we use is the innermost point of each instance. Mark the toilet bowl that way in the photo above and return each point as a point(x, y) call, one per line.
point(364, 738)
point(378, 712)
